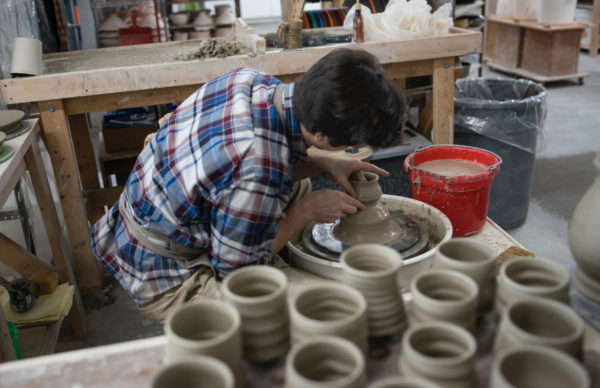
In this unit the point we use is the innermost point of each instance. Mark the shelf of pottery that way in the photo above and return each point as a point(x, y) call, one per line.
point(114, 15)
point(193, 20)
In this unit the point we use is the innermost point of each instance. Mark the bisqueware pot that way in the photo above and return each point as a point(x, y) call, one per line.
point(197, 371)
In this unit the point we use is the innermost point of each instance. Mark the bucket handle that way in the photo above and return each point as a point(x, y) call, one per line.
point(490, 168)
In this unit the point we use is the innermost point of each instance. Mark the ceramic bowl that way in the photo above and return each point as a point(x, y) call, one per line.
point(179, 19)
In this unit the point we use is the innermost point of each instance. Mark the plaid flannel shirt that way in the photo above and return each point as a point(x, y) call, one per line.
point(217, 175)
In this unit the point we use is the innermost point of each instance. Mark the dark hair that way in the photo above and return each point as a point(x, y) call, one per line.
point(347, 96)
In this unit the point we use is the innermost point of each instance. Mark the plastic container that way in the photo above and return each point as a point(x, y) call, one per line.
point(525, 9)
point(557, 11)
point(464, 199)
point(507, 118)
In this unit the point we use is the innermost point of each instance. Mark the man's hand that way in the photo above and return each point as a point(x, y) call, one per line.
point(340, 168)
point(328, 205)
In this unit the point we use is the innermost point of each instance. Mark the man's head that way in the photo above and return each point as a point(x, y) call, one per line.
point(347, 97)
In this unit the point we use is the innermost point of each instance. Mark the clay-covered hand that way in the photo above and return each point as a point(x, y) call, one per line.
point(340, 168)
point(329, 205)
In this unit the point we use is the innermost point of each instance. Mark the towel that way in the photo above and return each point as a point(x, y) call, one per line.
point(47, 308)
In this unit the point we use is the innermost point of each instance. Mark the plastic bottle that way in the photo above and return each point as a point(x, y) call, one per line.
point(359, 35)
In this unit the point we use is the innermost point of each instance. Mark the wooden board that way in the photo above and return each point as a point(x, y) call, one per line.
point(534, 76)
point(503, 43)
point(551, 53)
point(100, 72)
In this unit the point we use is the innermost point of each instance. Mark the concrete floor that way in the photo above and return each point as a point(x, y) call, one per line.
point(563, 172)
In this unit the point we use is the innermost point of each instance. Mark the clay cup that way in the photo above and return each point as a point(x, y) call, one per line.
point(521, 278)
point(372, 269)
point(197, 371)
point(206, 327)
point(475, 259)
point(537, 366)
point(444, 295)
point(440, 352)
point(329, 309)
point(259, 294)
point(403, 382)
point(540, 321)
point(325, 361)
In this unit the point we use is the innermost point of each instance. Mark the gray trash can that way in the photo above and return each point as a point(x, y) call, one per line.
point(506, 117)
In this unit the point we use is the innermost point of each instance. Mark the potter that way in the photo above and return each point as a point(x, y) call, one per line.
point(242, 167)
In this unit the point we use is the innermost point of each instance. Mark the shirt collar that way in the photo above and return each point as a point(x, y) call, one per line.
point(292, 128)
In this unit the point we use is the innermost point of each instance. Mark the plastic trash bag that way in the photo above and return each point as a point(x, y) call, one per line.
point(403, 19)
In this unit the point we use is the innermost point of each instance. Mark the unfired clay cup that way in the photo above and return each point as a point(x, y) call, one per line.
point(403, 382)
point(197, 371)
point(372, 269)
point(325, 361)
point(521, 278)
point(475, 259)
point(540, 322)
point(444, 295)
point(206, 327)
point(537, 366)
point(440, 352)
point(329, 309)
point(259, 293)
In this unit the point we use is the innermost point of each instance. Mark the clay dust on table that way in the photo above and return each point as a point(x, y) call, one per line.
point(216, 48)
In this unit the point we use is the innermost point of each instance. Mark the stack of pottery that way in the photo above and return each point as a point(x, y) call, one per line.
point(149, 20)
point(203, 25)
point(108, 32)
point(224, 20)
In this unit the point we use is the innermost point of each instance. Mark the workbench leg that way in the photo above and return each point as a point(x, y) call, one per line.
point(58, 246)
point(7, 349)
point(595, 30)
point(443, 100)
point(84, 151)
point(60, 147)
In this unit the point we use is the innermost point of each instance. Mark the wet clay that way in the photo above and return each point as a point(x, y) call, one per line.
point(216, 48)
point(452, 167)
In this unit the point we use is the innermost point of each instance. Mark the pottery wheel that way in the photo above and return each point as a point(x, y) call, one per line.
point(17, 130)
point(320, 239)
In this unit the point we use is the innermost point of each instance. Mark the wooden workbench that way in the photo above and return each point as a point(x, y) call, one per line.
point(76, 83)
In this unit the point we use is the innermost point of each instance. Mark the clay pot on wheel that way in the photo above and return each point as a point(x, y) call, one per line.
point(584, 230)
point(537, 366)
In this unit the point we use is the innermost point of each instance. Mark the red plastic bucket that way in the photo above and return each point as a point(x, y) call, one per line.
point(464, 198)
